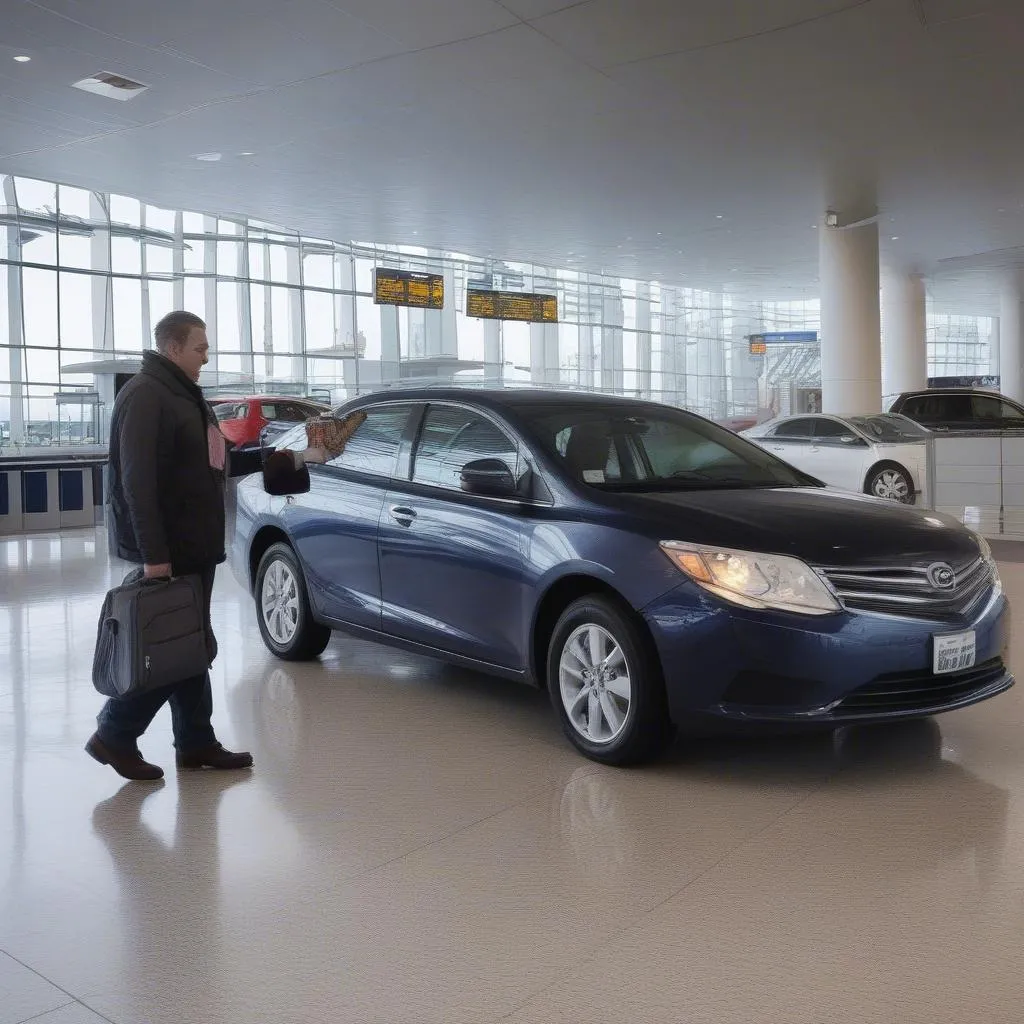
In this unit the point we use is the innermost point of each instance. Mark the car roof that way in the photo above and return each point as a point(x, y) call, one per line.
point(497, 399)
point(214, 399)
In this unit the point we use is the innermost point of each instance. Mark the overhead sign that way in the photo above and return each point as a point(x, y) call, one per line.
point(405, 288)
point(492, 305)
point(758, 348)
point(783, 338)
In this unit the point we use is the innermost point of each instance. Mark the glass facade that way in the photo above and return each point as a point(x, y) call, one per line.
point(86, 275)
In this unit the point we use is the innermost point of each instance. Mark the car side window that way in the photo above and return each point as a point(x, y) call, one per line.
point(831, 430)
point(1011, 412)
point(987, 409)
point(800, 429)
point(373, 448)
point(450, 438)
point(290, 412)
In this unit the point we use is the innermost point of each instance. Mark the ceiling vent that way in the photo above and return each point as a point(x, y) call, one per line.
point(114, 87)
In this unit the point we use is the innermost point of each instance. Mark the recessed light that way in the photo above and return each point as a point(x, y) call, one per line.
point(719, 216)
point(246, 153)
point(895, 238)
point(208, 158)
point(22, 58)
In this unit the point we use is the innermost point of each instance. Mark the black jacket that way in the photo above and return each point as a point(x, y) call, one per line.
point(165, 501)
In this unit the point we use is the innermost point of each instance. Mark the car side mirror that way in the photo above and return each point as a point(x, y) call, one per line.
point(489, 478)
point(280, 477)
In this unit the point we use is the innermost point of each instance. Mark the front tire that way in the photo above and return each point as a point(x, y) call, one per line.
point(282, 608)
point(890, 481)
point(606, 684)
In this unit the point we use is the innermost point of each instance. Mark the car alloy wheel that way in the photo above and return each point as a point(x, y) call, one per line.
point(594, 682)
point(891, 483)
point(279, 603)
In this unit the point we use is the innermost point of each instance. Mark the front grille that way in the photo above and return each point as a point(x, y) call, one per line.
point(906, 590)
point(918, 691)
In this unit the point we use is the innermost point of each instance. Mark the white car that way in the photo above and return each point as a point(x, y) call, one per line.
point(883, 455)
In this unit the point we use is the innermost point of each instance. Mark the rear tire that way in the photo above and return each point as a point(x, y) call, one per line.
point(606, 684)
point(282, 608)
point(891, 481)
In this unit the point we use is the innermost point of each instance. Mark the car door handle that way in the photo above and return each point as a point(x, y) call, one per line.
point(402, 515)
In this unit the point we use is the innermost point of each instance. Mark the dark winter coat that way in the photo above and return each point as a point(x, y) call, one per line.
point(165, 501)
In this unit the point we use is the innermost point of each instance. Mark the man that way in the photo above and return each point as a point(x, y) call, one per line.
point(168, 462)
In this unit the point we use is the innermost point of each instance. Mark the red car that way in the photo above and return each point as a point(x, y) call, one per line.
point(242, 419)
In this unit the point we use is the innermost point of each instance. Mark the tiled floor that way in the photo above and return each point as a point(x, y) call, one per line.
point(417, 844)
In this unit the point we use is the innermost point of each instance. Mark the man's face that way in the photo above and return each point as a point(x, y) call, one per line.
point(191, 355)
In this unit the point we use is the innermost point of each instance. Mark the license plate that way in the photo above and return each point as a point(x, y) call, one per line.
point(954, 653)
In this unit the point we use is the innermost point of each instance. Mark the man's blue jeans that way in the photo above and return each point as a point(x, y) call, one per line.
point(123, 720)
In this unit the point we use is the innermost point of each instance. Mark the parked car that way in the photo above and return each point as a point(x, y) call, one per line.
point(644, 565)
point(882, 455)
point(960, 409)
point(242, 420)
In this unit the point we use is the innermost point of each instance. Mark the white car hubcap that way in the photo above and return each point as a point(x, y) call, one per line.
point(279, 602)
point(593, 678)
point(890, 483)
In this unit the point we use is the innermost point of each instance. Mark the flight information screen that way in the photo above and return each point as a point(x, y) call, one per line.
point(533, 308)
point(405, 288)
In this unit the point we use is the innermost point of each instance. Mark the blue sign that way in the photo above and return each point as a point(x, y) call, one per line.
point(785, 337)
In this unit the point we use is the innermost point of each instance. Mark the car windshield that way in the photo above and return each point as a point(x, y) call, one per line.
point(626, 447)
point(890, 428)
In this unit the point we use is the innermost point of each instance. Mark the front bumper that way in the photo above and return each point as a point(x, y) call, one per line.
point(772, 667)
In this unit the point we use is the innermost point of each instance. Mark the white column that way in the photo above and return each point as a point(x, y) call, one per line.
point(905, 349)
point(1011, 320)
point(544, 353)
point(643, 339)
point(851, 357)
point(493, 370)
point(612, 319)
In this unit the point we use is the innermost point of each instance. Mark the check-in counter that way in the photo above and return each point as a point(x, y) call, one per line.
point(51, 492)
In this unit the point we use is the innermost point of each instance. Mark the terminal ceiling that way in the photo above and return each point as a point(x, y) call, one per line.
point(676, 140)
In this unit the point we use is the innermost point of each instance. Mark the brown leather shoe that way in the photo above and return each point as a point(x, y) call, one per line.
point(127, 763)
point(213, 757)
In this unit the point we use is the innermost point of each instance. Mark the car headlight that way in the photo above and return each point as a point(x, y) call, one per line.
point(754, 580)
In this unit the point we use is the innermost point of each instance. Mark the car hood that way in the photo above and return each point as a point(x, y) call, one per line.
point(821, 526)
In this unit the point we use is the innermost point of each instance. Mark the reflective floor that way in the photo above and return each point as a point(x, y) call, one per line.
point(418, 844)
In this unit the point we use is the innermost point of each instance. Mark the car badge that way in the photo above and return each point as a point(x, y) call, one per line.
point(941, 576)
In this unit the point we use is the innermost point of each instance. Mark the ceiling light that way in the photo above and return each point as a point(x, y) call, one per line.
point(208, 158)
point(246, 153)
point(22, 58)
point(719, 216)
point(895, 238)
point(113, 87)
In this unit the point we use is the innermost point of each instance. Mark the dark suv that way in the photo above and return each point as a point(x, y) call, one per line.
point(960, 409)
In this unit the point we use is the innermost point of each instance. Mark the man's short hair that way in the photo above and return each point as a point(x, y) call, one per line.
point(174, 329)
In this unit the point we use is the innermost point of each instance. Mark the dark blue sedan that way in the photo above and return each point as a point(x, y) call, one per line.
point(645, 566)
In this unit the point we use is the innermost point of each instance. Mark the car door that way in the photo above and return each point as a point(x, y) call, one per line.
point(791, 441)
point(838, 454)
point(451, 563)
point(334, 526)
